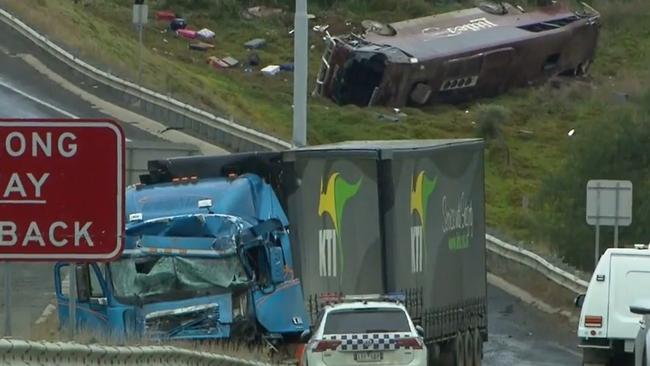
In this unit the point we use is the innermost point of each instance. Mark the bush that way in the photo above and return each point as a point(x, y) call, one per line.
point(490, 118)
point(614, 146)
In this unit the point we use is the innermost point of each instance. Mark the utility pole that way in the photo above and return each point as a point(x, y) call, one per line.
point(300, 74)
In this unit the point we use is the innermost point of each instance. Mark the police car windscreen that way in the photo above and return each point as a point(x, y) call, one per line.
point(371, 320)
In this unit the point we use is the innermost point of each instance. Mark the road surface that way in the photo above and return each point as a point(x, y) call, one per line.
point(521, 335)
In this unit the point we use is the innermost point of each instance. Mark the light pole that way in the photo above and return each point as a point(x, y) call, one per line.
point(140, 12)
point(300, 74)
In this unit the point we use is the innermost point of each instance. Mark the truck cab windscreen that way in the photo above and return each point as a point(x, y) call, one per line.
point(151, 278)
point(366, 321)
point(361, 74)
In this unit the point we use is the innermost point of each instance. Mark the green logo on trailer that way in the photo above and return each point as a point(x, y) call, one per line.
point(421, 189)
point(334, 196)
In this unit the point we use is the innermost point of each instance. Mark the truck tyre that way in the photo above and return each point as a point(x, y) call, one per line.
point(595, 357)
point(468, 346)
point(477, 350)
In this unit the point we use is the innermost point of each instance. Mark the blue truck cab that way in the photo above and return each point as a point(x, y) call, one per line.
point(204, 259)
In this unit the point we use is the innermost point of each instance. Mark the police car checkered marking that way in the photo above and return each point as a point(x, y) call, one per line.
point(368, 342)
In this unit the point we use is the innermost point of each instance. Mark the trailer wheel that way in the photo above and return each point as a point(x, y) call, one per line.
point(433, 354)
point(468, 347)
point(477, 351)
point(459, 350)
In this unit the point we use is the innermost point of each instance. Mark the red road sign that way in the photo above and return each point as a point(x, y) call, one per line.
point(61, 190)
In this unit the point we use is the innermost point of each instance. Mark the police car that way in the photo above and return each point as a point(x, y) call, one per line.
point(364, 330)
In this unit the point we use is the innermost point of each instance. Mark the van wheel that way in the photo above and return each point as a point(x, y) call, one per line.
point(595, 357)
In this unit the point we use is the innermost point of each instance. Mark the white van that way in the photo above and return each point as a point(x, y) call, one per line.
point(607, 329)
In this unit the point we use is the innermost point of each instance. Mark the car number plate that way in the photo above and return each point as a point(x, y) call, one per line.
point(368, 356)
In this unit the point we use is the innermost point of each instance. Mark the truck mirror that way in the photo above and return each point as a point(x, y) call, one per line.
point(580, 299)
point(83, 283)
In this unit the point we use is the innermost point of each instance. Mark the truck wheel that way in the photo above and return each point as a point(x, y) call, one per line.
point(468, 345)
point(595, 357)
point(477, 351)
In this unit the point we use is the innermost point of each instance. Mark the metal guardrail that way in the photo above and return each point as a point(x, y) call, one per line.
point(20, 352)
point(536, 263)
point(200, 123)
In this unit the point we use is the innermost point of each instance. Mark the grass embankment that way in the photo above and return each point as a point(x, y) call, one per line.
point(533, 122)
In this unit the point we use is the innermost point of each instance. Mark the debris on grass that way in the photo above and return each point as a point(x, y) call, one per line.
point(260, 12)
point(321, 28)
point(287, 67)
point(222, 63)
point(205, 34)
point(165, 15)
point(253, 59)
point(186, 33)
point(200, 46)
point(177, 23)
point(255, 44)
point(271, 70)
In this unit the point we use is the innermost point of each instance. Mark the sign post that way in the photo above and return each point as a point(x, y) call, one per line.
point(7, 299)
point(609, 203)
point(61, 195)
point(140, 17)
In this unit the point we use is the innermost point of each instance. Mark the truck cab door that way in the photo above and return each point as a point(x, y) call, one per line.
point(92, 304)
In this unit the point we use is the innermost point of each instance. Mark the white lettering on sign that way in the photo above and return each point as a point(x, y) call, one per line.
point(57, 234)
point(18, 144)
point(15, 186)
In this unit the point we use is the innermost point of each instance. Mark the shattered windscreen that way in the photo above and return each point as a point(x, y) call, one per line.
point(152, 278)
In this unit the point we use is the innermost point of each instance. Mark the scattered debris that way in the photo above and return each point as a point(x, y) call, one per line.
point(200, 46)
point(287, 67)
point(389, 118)
point(292, 31)
point(165, 40)
point(255, 44)
point(177, 23)
point(186, 33)
point(312, 47)
point(271, 70)
point(253, 59)
point(260, 12)
point(205, 34)
point(311, 16)
point(222, 63)
point(321, 28)
point(572, 132)
point(166, 15)
point(526, 133)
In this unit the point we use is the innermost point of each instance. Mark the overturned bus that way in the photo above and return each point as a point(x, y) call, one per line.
point(458, 56)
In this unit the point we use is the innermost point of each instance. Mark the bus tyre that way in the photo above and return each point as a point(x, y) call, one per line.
point(468, 347)
point(477, 348)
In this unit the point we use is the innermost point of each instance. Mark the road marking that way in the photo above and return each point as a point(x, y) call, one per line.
point(41, 102)
point(36, 100)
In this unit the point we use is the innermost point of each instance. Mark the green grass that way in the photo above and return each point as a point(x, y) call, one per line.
point(102, 33)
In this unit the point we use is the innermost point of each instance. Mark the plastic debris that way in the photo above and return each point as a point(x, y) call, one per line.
point(165, 15)
point(222, 63)
point(256, 43)
point(321, 28)
point(271, 70)
point(287, 67)
point(186, 33)
point(253, 59)
point(260, 12)
point(177, 23)
point(205, 34)
point(200, 46)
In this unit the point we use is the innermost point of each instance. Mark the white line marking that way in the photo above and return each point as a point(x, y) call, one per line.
point(36, 100)
point(43, 103)
point(23, 202)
